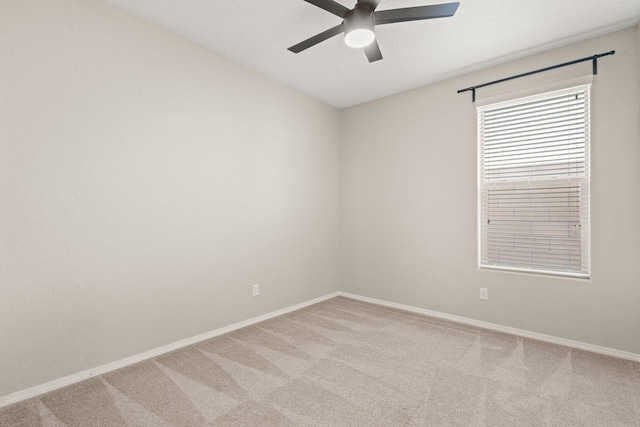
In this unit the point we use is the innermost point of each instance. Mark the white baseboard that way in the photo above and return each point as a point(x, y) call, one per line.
point(500, 328)
point(74, 378)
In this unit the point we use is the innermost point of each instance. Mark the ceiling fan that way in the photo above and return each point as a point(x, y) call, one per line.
point(358, 23)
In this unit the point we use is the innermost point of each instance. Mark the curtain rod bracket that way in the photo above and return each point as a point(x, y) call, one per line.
point(593, 58)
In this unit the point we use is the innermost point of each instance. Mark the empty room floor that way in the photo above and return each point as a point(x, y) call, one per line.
point(348, 363)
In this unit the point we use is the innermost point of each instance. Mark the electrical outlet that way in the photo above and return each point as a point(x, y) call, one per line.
point(484, 293)
point(256, 290)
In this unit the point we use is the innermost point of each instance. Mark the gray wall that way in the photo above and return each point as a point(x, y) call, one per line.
point(145, 184)
point(409, 205)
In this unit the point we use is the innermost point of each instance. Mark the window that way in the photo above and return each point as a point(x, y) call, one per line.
point(533, 183)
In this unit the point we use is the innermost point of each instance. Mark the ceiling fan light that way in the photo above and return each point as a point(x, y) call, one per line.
point(358, 28)
point(360, 37)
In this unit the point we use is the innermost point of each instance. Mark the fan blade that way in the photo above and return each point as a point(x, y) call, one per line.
point(416, 13)
point(368, 4)
point(312, 41)
point(330, 6)
point(373, 51)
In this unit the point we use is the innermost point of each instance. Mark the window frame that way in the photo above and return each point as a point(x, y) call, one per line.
point(583, 180)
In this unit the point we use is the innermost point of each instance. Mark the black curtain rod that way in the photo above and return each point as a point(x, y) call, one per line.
point(593, 58)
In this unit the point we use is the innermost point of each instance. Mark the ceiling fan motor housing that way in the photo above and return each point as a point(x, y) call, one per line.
point(358, 27)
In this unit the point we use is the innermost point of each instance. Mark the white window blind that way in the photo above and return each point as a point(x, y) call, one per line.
point(534, 183)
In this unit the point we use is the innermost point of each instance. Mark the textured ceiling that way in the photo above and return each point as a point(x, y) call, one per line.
point(257, 33)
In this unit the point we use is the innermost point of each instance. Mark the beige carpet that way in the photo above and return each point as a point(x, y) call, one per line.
point(348, 363)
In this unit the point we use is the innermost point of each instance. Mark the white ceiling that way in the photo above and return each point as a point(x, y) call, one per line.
point(257, 33)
